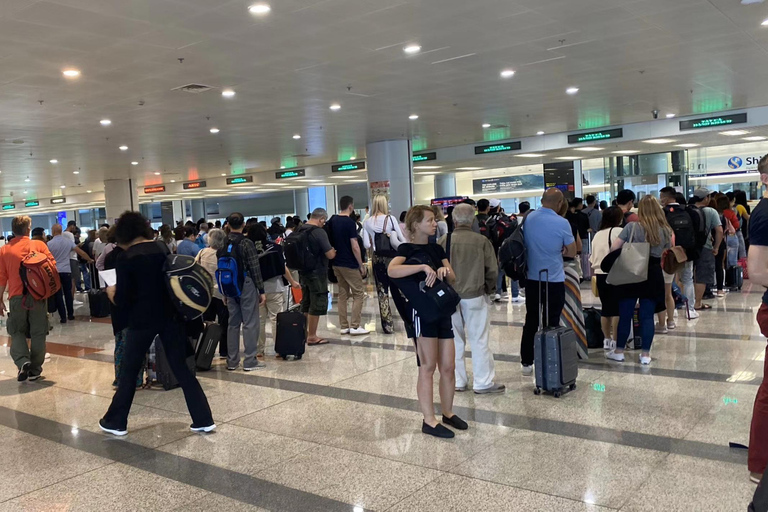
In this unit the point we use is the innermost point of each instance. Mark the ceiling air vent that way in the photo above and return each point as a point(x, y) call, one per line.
point(301, 155)
point(193, 88)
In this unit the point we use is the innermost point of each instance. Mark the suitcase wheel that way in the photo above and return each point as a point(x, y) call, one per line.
point(572, 386)
point(285, 358)
point(537, 391)
point(557, 394)
point(296, 358)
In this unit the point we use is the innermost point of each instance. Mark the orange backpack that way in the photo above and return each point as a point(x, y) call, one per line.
point(39, 275)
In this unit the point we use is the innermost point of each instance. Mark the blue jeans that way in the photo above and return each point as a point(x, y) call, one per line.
point(626, 312)
point(515, 287)
point(86, 276)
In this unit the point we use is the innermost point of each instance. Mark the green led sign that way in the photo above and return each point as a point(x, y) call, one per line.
point(498, 148)
point(424, 157)
point(295, 173)
point(9, 206)
point(352, 166)
point(239, 180)
point(30, 204)
point(615, 133)
point(713, 122)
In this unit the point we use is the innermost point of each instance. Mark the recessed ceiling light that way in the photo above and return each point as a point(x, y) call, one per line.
point(625, 152)
point(426, 166)
point(353, 158)
point(540, 132)
point(413, 117)
point(134, 163)
point(89, 191)
point(157, 174)
point(507, 73)
point(734, 133)
point(173, 181)
point(469, 168)
point(228, 93)
point(670, 116)
point(754, 138)
point(27, 180)
point(567, 157)
point(259, 8)
point(54, 161)
point(71, 73)
point(572, 90)
point(282, 167)
point(63, 186)
point(75, 172)
point(589, 148)
point(659, 141)
point(26, 191)
point(105, 122)
point(123, 148)
point(335, 106)
point(687, 145)
point(297, 136)
point(214, 130)
point(412, 48)
point(223, 174)
point(530, 155)
point(765, 22)
point(486, 125)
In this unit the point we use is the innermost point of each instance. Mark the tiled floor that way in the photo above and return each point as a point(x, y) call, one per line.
point(339, 430)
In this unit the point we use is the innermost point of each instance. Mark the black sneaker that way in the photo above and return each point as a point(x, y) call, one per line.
point(111, 429)
point(455, 422)
point(24, 372)
point(35, 375)
point(209, 428)
point(70, 318)
point(438, 431)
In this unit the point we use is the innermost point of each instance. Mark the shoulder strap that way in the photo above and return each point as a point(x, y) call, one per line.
point(448, 246)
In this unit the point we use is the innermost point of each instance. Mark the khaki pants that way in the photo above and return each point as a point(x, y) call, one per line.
point(274, 305)
point(23, 324)
point(350, 285)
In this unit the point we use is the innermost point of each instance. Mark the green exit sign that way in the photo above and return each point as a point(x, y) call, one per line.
point(498, 148)
point(239, 180)
point(713, 122)
point(30, 204)
point(423, 157)
point(9, 206)
point(615, 133)
point(293, 173)
point(352, 166)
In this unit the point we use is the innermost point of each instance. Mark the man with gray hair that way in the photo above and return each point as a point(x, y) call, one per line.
point(474, 260)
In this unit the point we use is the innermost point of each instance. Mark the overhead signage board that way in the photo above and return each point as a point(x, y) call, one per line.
point(577, 138)
point(194, 184)
point(154, 190)
point(294, 173)
point(713, 122)
point(58, 200)
point(9, 206)
point(498, 148)
point(508, 184)
point(423, 157)
point(239, 180)
point(30, 204)
point(447, 202)
point(352, 166)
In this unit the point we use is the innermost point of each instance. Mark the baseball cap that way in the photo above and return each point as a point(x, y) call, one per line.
point(701, 192)
point(494, 203)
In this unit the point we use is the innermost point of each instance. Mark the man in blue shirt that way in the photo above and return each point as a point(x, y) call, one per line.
point(60, 247)
point(548, 237)
point(188, 246)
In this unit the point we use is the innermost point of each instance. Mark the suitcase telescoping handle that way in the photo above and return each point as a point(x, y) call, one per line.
point(542, 297)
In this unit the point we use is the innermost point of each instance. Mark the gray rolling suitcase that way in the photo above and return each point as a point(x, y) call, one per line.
point(556, 362)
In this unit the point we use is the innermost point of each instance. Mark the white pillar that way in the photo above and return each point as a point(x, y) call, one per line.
point(390, 161)
point(445, 185)
point(301, 202)
point(578, 179)
point(119, 196)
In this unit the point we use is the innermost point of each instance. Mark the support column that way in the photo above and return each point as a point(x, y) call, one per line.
point(178, 212)
point(390, 167)
point(301, 203)
point(198, 209)
point(331, 200)
point(578, 179)
point(119, 196)
point(445, 185)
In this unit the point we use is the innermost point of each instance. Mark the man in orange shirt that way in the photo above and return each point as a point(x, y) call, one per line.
point(23, 323)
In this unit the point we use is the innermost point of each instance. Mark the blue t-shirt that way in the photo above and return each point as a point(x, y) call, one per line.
point(546, 233)
point(758, 229)
point(187, 247)
point(344, 230)
point(60, 247)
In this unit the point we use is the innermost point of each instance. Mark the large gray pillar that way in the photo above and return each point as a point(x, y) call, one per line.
point(445, 185)
point(390, 168)
point(119, 197)
point(301, 202)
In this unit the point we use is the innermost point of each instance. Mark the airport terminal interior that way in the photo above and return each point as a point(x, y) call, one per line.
point(192, 110)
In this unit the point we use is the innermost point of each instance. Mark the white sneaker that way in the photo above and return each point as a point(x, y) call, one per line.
point(77, 302)
point(608, 344)
point(527, 370)
point(692, 313)
point(359, 331)
point(661, 329)
point(505, 296)
point(518, 299)
point(645, 360)
point(497, 298)
point(206, 429)
point(345, 331)
point(614, 356)
point(671, 325)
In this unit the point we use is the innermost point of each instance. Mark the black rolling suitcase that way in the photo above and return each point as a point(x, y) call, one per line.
point(734, 277)
point(291, 335)
point(163, 371)
point(206, 346)
point(98, 302)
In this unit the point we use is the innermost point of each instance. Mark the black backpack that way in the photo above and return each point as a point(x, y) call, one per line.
point(271, 262)
point(513, 255)
point(190, 286)
point(681, 222)
point(699, 229)
point(299, 252)
point(500, 227)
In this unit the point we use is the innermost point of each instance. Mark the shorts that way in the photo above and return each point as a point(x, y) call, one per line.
point(704, 268)
point(441, 329)
point(609, 299)
point(668, 278)
point(314, 291)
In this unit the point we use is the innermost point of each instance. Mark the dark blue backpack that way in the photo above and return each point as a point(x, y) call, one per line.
point(228, 274)
point(200, 241)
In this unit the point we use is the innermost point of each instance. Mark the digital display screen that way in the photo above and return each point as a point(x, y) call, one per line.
point(615, 133)
point(713, 122)
point(239, 180)
point(423, 157)
point(29, 204)
point(58, 200)
point(446, 202)
point(295, 173)
point(352, 166)
point(9, 206)
point(194, 184)
point(498, 148)
point(154, 190)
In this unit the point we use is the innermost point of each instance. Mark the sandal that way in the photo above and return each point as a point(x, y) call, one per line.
point(318, 342)
point(703, 306)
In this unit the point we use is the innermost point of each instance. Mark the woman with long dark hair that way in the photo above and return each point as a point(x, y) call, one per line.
point(610, 227)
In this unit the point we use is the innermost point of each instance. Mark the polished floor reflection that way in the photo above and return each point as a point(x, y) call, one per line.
point(339, 429)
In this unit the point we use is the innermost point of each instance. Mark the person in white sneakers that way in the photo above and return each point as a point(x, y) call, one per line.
point(608, 231)
point(474, 260)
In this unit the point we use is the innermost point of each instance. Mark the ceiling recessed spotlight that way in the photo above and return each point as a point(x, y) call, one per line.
point(687, 145)
point(282, 167)
point(223, 174)
point(54, 161)
point(353, 158)
point(589, 148)
point(530, 155)
point(89, 191)
point(259, 8)
point(540, 132)
point(335, 106)
point(765, 22)
point(572, 90)
point(75, 172)
point(71, 73)
point(63, 186)
point(214, 130)
point(27, 180)
point(413, 117)
point(297, 136)
point(754, 138)
point(659, 141)
point(228, 93)
point(734, 133)
point(507, 73)
point(123, 148)
point(625, 152)
point(486, 125)
point(105, 122)
point(172, 181)
point(157, 174)
point(412, 48)
point(670, 116)
point(134, 163)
